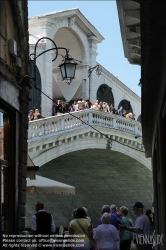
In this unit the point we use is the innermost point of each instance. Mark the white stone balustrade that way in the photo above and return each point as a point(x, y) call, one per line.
point(69, 122)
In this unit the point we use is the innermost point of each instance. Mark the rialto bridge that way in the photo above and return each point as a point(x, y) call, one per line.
point(102, 155)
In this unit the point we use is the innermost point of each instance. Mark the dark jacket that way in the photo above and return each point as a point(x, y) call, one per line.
point(43, 221)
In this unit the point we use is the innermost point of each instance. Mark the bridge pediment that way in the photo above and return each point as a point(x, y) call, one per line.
point(52, 137)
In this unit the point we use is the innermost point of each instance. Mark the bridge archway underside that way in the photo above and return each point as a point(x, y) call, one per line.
point(100, 177)
point(55, 136)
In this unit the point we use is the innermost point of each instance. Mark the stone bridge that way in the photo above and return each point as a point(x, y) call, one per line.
point(103, 170)
point(54, 136)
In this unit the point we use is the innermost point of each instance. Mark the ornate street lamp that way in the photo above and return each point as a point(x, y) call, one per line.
point(67, 67)
point(98, 72)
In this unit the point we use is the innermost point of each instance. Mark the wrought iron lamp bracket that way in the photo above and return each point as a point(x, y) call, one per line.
point(33, 56)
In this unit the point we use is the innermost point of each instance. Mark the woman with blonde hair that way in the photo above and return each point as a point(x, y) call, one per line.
point(106, 235)
point(125, 241)
point(37, 115)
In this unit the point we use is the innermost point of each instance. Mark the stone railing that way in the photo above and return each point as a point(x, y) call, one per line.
point(67, 122)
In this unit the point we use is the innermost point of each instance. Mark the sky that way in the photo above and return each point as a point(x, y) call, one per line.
point(104, 16)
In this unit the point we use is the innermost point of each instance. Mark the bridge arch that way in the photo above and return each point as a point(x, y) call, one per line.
point(100, 177)
point(104, 94)
point(126, 105)
point(75, 137)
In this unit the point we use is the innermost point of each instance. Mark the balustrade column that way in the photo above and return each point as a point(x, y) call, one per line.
point(30, 132)
point(90, 118)
point(62, 123)
point(114, 123)
point(136, 129)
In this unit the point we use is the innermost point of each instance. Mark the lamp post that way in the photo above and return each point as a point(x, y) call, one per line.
point(98, 73)
point(67, 67)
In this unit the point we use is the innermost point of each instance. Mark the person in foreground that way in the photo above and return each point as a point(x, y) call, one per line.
point(42, 222)
point(106, 235)
point(141, 227)
point(80, 226)
point(125, 235)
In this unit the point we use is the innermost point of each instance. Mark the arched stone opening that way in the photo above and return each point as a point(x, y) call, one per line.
point(67, 38)
point(126, 106)
point(104, 94)
point(100, 177)
point(35, 93)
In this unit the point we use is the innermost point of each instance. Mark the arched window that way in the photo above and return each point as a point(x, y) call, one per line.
point(126, 106)
point(104, 94)
point(35, 94)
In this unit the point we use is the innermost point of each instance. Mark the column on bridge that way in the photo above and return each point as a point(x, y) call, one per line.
point(46, 105)
point(93, 48)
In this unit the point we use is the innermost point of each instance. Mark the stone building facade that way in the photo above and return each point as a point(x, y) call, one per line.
point(149, 17)
point(14, 100)
point(70, 29)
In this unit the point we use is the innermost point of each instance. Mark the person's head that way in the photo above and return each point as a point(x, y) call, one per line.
point(86, 210)
point(138, 208)
point(74, 213)
point(105, 209)
point(75, 102)
point(39, 206)
point(37, 112)
point(149, 214)
point(124, 211)
point(106, 218)
point(113, 208)
point(80, 213)
point(112, 105)
point(31, 111)
point(121, 107)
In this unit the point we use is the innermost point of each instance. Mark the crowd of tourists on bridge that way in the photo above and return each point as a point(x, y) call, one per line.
point(114, 231)
point(62, 108)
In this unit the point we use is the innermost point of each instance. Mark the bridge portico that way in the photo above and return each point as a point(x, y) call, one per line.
point(70, 29)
